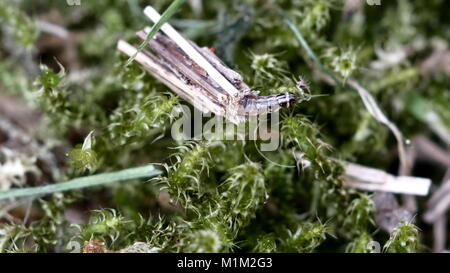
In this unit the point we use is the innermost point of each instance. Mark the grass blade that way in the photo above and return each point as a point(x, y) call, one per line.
point(168, 13)
point(85, 182)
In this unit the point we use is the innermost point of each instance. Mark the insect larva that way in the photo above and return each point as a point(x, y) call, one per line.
point(200, 77)
point(252, 105)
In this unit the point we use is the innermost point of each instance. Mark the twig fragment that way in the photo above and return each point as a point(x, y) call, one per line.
point(370, 179)
point(192, 52)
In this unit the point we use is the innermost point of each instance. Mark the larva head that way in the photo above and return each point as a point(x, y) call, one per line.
point(302, 85)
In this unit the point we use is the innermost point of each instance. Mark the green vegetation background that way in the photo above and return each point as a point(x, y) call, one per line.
point(221, 196)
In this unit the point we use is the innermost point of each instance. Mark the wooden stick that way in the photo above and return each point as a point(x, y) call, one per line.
point(151, 13)
point(370, 179)
point(170, 79)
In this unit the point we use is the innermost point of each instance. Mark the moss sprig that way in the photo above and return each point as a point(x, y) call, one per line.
point(242, 193)
point(21, 26)
point(403, 239)
point(304, 238)
point(183, 179)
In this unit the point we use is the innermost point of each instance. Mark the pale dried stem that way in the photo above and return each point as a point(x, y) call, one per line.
point(151, 13)
point(370, 179)
point(53, 29)
point(440, 234)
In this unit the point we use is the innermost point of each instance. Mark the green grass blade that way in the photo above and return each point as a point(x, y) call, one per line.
point(168, 13)
point(298, 35)
point(85, 182)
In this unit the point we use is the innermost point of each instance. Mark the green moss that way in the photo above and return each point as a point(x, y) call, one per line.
point(222, 195)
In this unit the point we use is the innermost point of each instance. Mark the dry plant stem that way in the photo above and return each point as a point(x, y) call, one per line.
point(192, 53)
point(53, 29)
point(439, 234)
point(162, 44)
point(370, 179)
point(429, 151)
point(167, 76)
point(439, 202)
point(437, 126)
point(436, 214)
point(373, 109)
point(11, 219)
point(28, 211)
point(439, 208)
point(409, 201)
point(167, 50)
